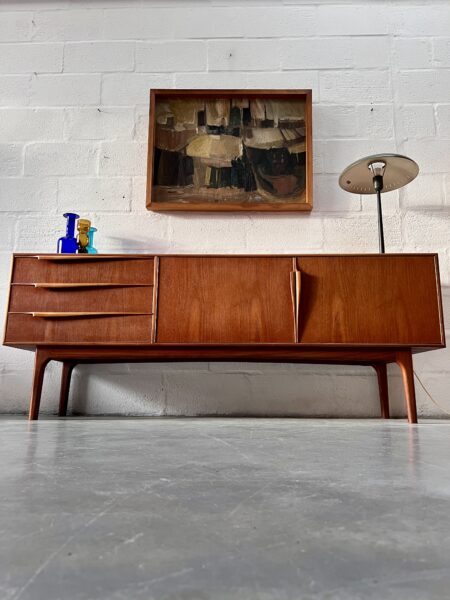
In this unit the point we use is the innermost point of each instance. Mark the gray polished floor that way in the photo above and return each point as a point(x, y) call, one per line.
point(196, 509)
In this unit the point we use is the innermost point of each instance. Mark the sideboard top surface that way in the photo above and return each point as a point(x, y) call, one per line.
point(218, 255)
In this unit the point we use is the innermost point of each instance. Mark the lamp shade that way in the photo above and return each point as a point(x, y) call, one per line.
point(398, 170)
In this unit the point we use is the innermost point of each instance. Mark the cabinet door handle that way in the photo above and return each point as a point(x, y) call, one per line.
point(295, 294)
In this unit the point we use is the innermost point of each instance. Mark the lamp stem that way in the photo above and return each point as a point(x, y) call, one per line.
point(380, 223)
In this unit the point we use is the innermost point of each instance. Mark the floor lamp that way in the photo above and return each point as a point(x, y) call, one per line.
point(377, 173)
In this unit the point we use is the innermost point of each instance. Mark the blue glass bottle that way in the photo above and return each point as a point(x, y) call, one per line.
point(68, 244)
point(90, 247)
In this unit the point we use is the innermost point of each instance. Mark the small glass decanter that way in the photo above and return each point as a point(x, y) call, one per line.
point(68, 244)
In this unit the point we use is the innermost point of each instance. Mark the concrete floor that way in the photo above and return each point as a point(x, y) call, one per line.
point(197, 509)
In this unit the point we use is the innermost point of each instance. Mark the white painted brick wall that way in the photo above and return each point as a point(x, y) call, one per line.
point(63, 158)
point(28, 194)
point(98, 57)
point(66, 25)
point(74, 88)
point(158, 56)
point(34, 58)
point(318, 53)
point(412, 53)
point(15, 90)
point(65, 90)
point(239, 55)
point(25, 124)
point(129, 89)
point(417, 121)
point(443, 120)
point(109, 123)
point(123, 158)
point(93, 194)
point(356, 86)
point(427, 86)
point(16, 27)
point(369, 18)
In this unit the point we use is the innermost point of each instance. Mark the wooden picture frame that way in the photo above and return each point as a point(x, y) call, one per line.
point(230, 150)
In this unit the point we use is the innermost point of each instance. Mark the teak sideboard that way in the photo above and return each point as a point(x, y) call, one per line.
point(367, 309)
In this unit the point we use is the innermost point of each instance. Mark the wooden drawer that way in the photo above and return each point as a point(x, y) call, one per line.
point(28, 298)
point(108, 329)
point(79, 269)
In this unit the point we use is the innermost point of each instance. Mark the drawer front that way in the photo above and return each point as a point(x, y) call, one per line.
point(31, 269)
point(109, 329)
point(27, 298)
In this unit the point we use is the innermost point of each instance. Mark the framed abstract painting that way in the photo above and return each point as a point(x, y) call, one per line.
point(230, 150)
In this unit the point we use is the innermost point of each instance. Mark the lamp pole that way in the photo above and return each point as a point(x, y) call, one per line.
point(378, 185)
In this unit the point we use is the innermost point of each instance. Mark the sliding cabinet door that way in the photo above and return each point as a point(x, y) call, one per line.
point(225, 300)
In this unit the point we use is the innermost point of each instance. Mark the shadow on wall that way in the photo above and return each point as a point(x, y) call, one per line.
point(138, 244)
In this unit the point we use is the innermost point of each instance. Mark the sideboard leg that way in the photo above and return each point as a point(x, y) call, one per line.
point(381, 370)
point(65, 387)
point(41, 360)
point(404, 361)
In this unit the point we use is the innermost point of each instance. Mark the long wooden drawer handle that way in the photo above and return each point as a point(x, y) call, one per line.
point(63, 286)
point(295, 293)
point(93, 257)
point(62, 315)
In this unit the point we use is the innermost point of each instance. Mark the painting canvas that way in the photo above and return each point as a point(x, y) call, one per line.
point(229, 150)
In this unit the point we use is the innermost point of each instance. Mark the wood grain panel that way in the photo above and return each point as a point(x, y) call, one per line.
point(370, 300)
point(26, 298)
point(29, 269)
point(225, 300)
point(129, 329)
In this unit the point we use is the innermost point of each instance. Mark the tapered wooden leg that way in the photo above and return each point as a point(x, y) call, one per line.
point(65, 387)
point(404, 361)
point(381, 370)
point(41, 360)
